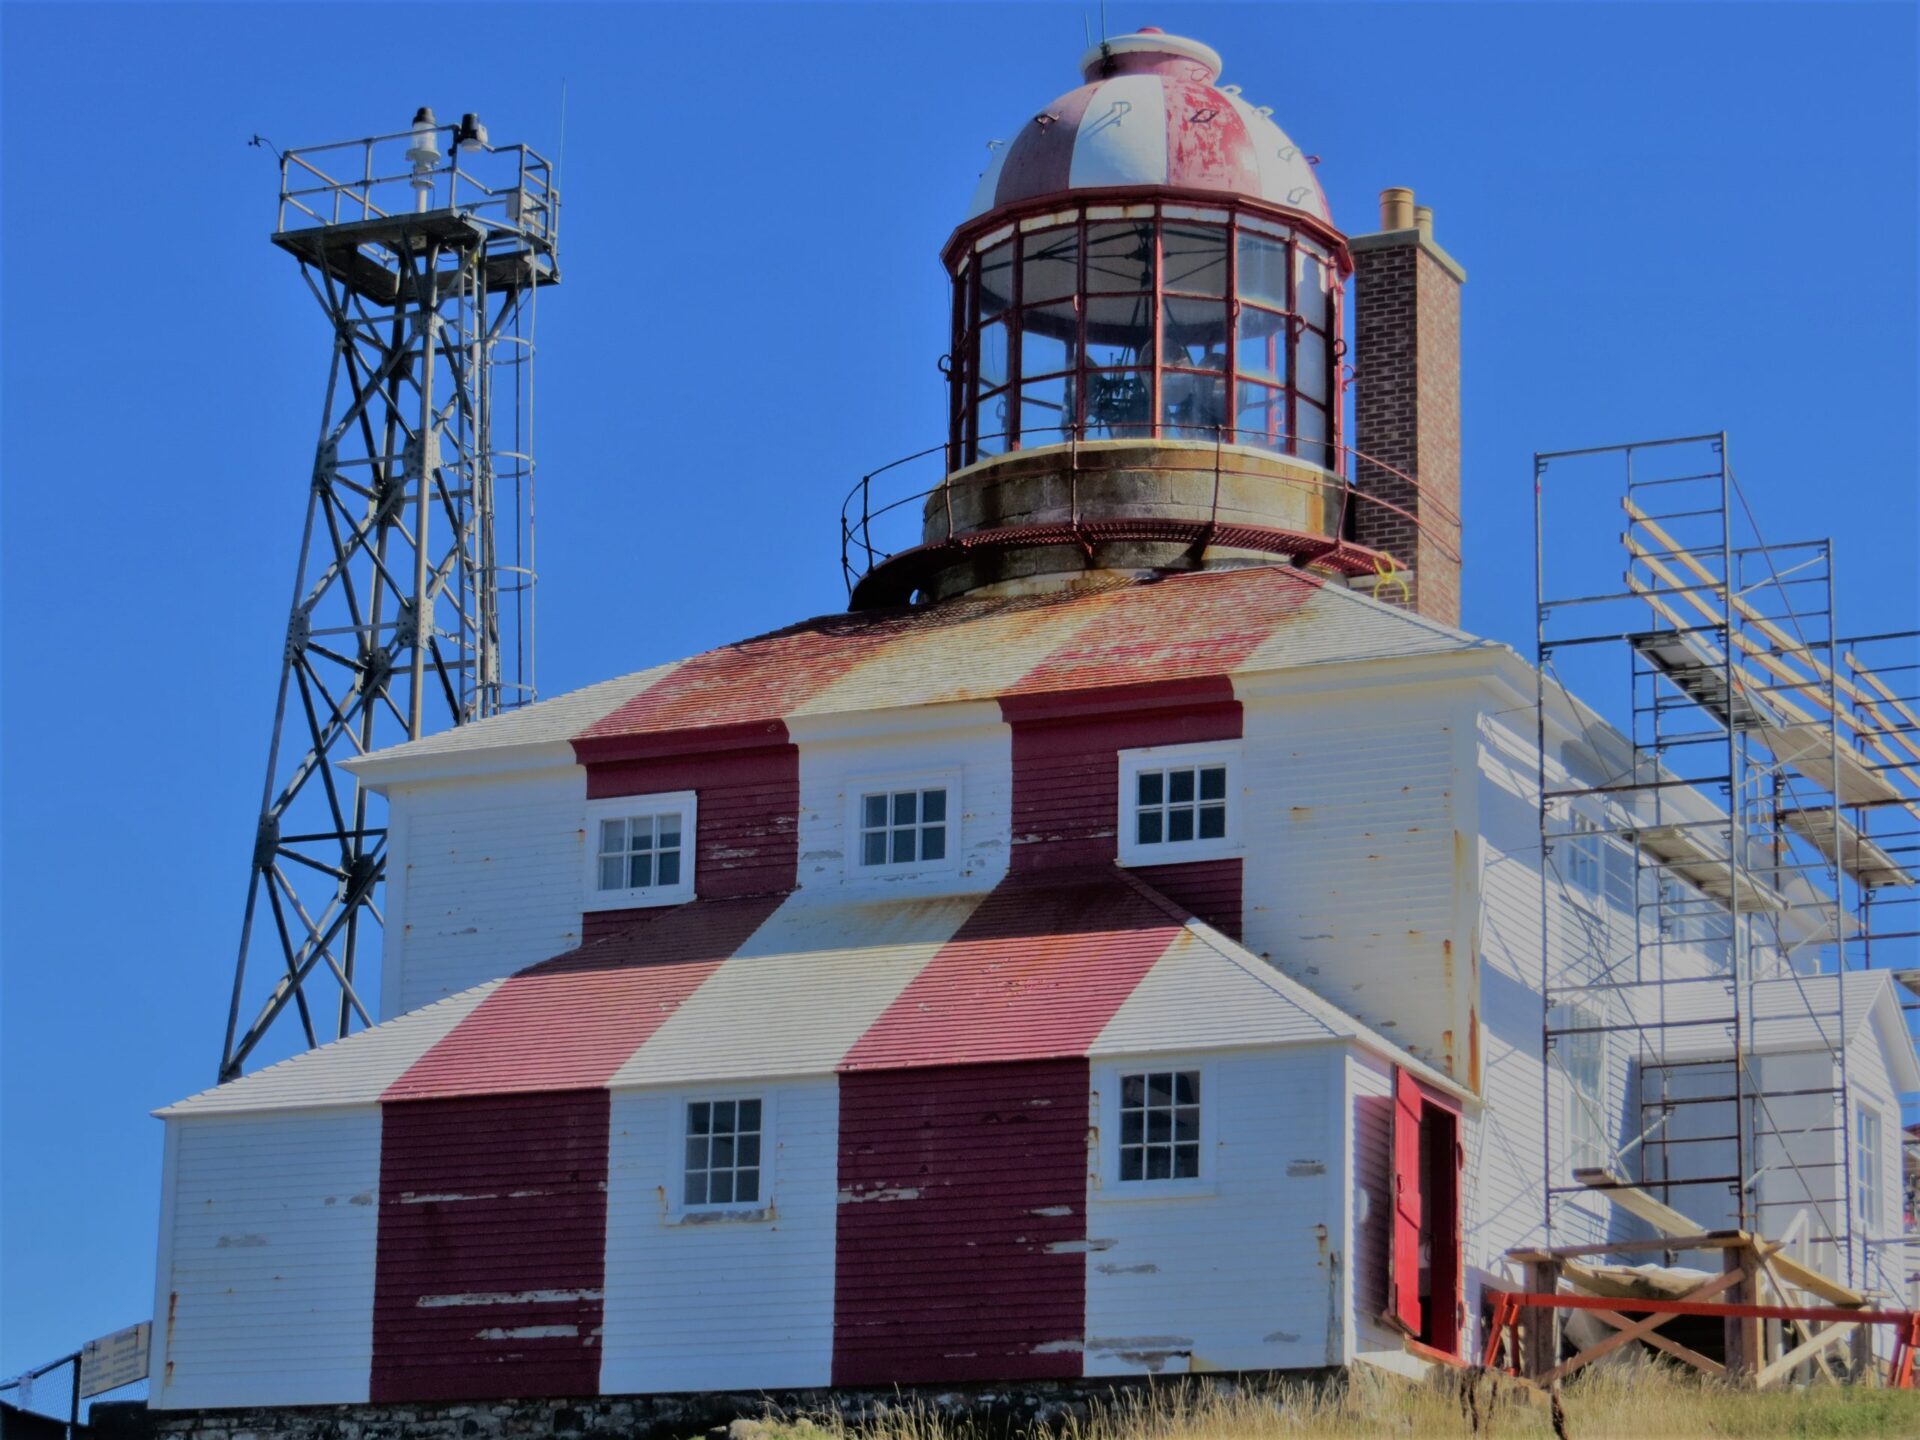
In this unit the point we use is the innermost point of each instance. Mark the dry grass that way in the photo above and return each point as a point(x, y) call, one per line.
point(1638, 1401)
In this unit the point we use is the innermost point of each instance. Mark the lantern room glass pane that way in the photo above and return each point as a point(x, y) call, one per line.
point(1120, 256)
point(992, 367)
point(1050, 265)
point(1119, 331)
point(1263, 343)
point(996, 280)
point(1311, 294)
point(1310, 426)
point(1194, 258)
point(1119, 404)
point(1263, 271)
point(1046, 410)
point(1049, 339)
point(1195, 334)
point(1310, 365)
point(1261, 415)
point(990, 416)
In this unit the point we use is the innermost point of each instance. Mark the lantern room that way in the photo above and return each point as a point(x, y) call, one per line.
point(1149, 257)
point(1146, 362)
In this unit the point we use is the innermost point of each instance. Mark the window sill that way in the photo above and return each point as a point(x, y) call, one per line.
point(1186, 853)
point(1158, 1190)
point(724, 1215)
point(636, 899)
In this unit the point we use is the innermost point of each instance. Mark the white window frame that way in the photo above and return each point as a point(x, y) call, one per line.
point(1107, 1090)
point(678, 1210)
point(922, 780)
point(1869, 1165)
point(1163, 757)
point(686, 803)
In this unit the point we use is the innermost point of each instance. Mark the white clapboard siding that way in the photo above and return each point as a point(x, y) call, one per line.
point(486, 876)
point(1352, 882)
point(971, 753)
point(1247, 1274)
point(706, 1304)
point(265, 1293)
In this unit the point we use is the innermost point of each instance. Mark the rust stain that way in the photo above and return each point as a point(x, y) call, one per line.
point(1301, 812)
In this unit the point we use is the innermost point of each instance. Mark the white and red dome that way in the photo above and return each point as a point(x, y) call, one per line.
point(1151, 114)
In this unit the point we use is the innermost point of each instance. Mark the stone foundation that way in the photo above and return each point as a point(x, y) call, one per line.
point(983, 1411)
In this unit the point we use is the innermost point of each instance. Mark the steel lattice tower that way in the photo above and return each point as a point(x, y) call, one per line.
point(413, 597)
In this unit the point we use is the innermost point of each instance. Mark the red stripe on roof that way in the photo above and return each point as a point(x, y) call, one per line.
point(1180, 628)
point(1035, 973)
point(570, 1022)
point(1208, 147)
point(1040, 160)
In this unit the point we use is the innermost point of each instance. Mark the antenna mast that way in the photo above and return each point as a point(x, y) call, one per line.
point(413, 597)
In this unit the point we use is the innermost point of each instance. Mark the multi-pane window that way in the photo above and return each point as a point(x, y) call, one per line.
point(1580, 1051)
point(1160, 1125)
point(1180, 803)
point(1585, 856)
point(1866, 1165)
point(1187, 323)
point(640, 852)
point(903, 827)
point(723, 1152)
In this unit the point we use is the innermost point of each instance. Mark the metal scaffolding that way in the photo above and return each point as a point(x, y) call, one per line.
point(1757, 831)
point(413, 595)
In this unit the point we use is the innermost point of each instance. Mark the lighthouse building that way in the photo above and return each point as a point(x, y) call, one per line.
point(1113, 946)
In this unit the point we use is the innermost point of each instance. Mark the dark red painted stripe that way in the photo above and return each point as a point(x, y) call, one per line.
point(962, 1224)
point(572, 1021)
point(491, 1250)
point(1209, 889)
point(1066, 759)
point(747, 836)
point(1035, 972)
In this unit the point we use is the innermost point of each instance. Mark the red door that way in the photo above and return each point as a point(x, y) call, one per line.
point(1403, 1264)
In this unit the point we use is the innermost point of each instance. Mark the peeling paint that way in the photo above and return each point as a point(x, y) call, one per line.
point(1060, 1347)
point(1052, 1210)
point(855, 1197)
point(531, 1332)
point(240, 1242)
point(408, 1197)
point(507, 1297)
point(1078, 1247)
point(1280, 1337)
point(1147, 1269)
point(1298, 1168)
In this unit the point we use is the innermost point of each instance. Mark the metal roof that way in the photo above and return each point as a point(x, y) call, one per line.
point(1116, 632)
point(1072, 963)
point(1151, 113)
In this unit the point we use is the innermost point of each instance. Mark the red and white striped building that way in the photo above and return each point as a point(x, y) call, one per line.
point(1111, 947)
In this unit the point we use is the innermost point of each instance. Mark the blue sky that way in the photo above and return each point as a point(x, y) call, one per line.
point(1675, 218)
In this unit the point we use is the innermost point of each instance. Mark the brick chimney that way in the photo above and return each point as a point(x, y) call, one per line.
point(1407, 406)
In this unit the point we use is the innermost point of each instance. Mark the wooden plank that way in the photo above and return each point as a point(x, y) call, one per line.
point(1637, 1202)
point(1540, 1329)
point(1806, 1350)
point(1705, 1240)
point(1640, 1328)
point(1660, 1342)
point(1796, 1274)
point(1745, 1345)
